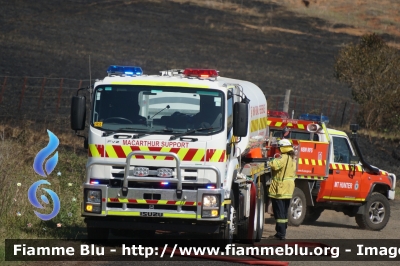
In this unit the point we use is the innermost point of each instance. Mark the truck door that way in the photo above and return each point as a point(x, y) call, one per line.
point(345, 180)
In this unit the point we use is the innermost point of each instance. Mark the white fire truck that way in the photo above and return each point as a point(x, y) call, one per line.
point(174, 152)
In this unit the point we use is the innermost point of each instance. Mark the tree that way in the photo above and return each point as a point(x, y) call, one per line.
point(371, 69)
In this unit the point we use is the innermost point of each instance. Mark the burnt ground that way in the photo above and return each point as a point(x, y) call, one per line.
point(261, 42)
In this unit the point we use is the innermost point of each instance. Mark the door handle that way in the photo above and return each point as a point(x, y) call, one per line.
point(337, 171)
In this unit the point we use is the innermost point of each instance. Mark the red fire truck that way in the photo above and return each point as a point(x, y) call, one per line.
point(332, 173)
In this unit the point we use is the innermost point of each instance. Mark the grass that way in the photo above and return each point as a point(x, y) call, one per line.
point(17, 217)
point(363, 16)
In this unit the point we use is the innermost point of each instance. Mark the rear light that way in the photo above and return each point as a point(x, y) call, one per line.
point(200, 73)
point(281, 114)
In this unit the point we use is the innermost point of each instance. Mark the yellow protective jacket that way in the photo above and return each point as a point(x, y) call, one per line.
point(282, 187)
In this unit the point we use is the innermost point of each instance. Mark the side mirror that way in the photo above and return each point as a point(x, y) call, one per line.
point(78, 112)
point(240, 119)
point(354, 159)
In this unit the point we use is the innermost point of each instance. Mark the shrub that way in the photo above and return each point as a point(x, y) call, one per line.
point(371, 69)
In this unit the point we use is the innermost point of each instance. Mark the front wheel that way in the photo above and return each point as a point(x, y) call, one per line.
point(297, 208)
point(226, 232)
point(376, 213)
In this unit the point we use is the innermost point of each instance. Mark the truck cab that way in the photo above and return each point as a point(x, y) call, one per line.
point(333, 174)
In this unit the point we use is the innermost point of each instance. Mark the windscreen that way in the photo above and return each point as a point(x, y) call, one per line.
point(150, 108)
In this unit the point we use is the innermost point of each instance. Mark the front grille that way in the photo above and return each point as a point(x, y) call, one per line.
point(155, 207)
point(187, 174)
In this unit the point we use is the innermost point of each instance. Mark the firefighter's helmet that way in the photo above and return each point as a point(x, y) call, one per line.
point(285, 145)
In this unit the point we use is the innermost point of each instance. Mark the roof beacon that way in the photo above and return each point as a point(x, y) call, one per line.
point(316, 118)
point(124, 70)
point(281, 114)
point(200, 73)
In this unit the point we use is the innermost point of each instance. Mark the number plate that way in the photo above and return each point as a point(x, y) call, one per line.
point(151, 214)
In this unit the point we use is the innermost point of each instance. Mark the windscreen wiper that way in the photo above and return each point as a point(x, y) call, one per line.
point(191, 131)
point(125, 129)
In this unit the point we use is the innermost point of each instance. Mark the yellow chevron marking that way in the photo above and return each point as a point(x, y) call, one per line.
point(163, 149)
point(199, 154)
point(93, 150)
point(123, 200)
point(145, 148)
point(126, 149)
point(111, 152)
point(217, 154)
point(182, 152)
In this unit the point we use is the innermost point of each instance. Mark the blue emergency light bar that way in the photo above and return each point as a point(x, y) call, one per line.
point(316, 118)
point(125, 70)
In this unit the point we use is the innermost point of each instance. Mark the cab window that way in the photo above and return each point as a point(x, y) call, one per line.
point(341, 150)
point(296, 135)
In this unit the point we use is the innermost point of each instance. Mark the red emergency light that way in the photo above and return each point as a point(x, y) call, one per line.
point(200, 73)
point(281, 114)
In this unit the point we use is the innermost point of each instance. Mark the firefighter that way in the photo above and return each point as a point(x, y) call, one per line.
point(282, 186)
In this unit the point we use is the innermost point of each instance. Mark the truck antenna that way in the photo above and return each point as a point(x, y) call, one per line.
point(90, 74)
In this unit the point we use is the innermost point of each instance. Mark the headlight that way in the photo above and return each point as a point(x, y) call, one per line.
point(164, 172)
point(93, 196)
point(210, 201)
point(141, 171)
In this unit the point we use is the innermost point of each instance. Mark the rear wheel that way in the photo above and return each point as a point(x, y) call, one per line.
point(297, 208)
point(261, 214)
point(376, 213)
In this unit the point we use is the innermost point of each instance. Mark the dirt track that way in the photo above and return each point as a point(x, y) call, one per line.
point(331, 225)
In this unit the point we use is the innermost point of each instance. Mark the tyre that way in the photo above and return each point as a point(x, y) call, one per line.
point(297, 208)
point(312, 214)
point(260, 215)
point(226, 232)
point(376, 213)
point(97, 233)
point(243, 229)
